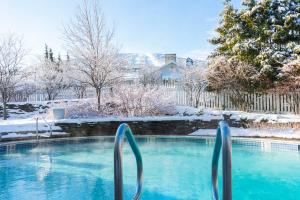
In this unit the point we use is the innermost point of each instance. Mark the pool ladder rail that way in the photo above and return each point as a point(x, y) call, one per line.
point(223, 139)
point(123, 131)
point(46, 123)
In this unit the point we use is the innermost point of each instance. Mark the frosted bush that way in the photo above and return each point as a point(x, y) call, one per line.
point(189, 111)
point(82, 109)
point(124, 101)
point(142, 101)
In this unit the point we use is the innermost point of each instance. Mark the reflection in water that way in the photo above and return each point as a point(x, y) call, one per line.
point(44, 163)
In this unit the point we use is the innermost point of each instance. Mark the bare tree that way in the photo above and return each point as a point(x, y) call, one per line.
point(149, 75)
point(90, 43)
point(51, 77)
point(194, 83)
point(12, 54)
point(73, 78)
point(79, 88)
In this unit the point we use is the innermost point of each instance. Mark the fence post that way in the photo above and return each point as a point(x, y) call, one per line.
point(277, 97)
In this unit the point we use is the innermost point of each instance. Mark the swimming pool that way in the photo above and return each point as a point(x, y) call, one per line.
point(175, 168)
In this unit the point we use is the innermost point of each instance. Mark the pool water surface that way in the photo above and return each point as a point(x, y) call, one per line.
point(174, 169)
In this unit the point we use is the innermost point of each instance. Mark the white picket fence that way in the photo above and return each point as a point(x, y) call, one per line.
point(257, 102)
point(271, 103)
point(42, 96)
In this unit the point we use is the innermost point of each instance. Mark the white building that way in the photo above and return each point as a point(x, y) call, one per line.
point(168, 66)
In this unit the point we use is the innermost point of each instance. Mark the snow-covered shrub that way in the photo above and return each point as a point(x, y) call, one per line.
point(142, 101)
point(125, 101)
point(227, 74)
point(189, 111)
point(290, 82)
point(291, 74)
point(82, 109)
point(232, 76)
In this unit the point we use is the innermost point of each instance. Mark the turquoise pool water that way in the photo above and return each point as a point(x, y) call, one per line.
point(174, 169)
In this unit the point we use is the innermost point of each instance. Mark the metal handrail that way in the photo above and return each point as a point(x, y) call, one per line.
point(118, 152)
point(49, 125)
point(223, 139)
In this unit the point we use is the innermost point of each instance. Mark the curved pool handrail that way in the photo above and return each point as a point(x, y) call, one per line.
point(223, 139)
point(118, 153)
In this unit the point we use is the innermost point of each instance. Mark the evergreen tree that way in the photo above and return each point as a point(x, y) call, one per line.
point(46, 52)
point(225, 41)
point(51, 55)
point(68, 57)
point(249, 3)
point(262, 33)
point(59, 59)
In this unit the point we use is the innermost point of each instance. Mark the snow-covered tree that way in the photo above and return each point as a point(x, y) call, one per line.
point(51, 57)
point(232, 76)
point(26, 87)
point(264, 34)
point(90, 44)
point(51, 77)
point(75, 79)
point(12, 54)
point(46, 52)
point(194, 83)
point(149, 75)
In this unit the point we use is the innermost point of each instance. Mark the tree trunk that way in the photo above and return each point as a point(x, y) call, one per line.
point(197, 100)
point(98, 92)
point(49, 96)
point(4, 100)
point(4, 110)
point(82, 92)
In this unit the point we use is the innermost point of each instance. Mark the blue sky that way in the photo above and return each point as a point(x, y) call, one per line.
point(142, 26)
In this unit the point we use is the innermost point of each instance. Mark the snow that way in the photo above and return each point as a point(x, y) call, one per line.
point(187, 110)
point(17, 126)
point(241, 132)
point(24, 125)
point(256, 117)
point(28, 135)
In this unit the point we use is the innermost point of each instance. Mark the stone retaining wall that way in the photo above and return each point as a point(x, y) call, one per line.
point(168, 127)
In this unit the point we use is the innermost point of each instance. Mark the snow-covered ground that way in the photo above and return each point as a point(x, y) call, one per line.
point(190, 113)
point(26, 128)
point(239, 115)
point(21, 126)
point(30, 135)
point(257, 117)
point(25, 125)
